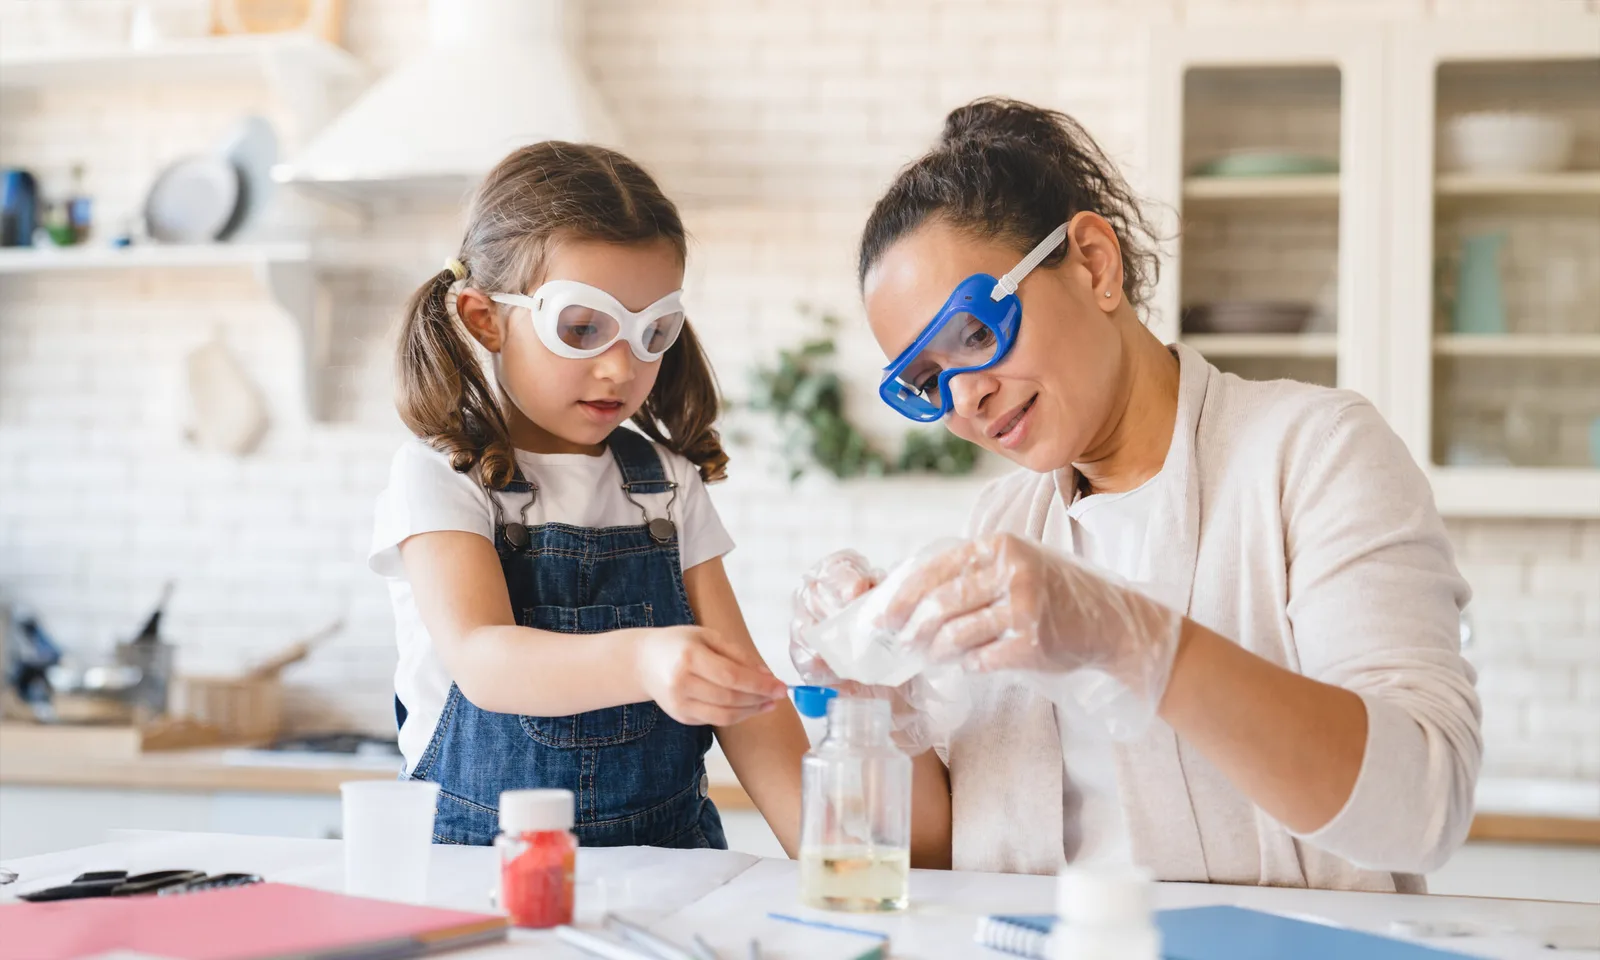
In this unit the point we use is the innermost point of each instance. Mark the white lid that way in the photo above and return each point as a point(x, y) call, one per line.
point(530, 811)
point(1105, 896)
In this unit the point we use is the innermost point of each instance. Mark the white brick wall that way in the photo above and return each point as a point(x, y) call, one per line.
point(775, 124)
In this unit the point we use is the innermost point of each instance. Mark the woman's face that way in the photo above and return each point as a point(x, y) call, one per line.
point(1049, 401)
point(581, 401)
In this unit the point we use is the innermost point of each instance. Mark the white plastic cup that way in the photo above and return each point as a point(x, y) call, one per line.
point(388, 834)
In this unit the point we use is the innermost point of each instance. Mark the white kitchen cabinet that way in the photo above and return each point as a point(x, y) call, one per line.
point(1302, 237)
point(41, 819)
point(1383, 230)
point(1501, 422)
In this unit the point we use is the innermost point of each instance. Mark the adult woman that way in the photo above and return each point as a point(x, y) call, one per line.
point(1294, 633)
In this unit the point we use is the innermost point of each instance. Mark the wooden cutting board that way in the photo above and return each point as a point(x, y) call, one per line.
point(92, 742)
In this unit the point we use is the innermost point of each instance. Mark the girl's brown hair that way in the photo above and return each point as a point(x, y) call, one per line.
point(540, 195)
point(1010, 171)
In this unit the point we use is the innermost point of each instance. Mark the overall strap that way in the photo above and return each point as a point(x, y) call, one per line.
point(639, 462)
point(517, 483)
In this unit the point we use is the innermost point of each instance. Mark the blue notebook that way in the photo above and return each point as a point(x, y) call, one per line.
point(1221, 933)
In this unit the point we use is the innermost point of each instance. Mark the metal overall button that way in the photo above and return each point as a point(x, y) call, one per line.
point(661, 529)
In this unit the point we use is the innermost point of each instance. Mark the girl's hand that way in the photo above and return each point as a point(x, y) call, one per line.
point(1006, 603)
point(698, 680)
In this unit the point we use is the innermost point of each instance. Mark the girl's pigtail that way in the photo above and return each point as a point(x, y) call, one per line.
point(685, 402)
point(441, 392)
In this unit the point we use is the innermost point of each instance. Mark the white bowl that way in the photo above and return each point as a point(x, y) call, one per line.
point(1505, 142)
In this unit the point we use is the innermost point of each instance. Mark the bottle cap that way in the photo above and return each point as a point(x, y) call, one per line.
point(1106, 896)
point(812, 701)
point(532, 811)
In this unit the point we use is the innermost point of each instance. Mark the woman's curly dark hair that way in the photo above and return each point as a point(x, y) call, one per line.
point(1010, 171)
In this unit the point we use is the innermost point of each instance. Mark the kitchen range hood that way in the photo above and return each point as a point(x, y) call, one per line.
point(496, 74)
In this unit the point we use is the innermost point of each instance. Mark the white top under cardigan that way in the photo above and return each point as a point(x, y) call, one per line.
point(1292, 520)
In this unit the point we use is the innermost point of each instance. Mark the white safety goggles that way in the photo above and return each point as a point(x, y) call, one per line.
point(577, 321)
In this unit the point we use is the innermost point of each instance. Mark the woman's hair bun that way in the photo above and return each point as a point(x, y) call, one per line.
point(996, 120)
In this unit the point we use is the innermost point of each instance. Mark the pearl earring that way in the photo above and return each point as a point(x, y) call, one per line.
point(1108, 294)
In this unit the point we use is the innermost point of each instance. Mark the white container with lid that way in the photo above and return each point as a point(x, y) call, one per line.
point(1105, 913)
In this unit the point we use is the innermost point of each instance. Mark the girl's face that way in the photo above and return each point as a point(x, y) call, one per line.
point(561, 405)
point(1049, 402)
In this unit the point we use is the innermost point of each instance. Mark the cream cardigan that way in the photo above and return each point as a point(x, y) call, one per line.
point(1292, 520)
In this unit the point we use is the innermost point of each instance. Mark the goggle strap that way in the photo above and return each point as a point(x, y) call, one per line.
point(1008, 284)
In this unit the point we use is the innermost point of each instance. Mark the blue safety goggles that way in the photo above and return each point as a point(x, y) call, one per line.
point(973, 331)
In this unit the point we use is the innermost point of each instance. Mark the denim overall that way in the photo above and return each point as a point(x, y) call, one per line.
point(638, 776)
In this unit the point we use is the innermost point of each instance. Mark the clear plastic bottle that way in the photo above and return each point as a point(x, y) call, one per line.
point(855, 815)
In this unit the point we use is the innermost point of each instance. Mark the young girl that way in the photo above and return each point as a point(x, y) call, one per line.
point(563, 615)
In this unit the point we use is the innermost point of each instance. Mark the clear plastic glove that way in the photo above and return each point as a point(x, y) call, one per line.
point(1006, 603)
point(827, 588)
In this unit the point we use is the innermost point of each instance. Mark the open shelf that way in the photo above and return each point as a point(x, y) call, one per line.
point(200, 59)
point(1573, 191)
point(1311, 345)
point(1571, 183)
point(1516, 491)
point(290, 272)
point(22, 260)
point(1558, 346)
point(1320, 189)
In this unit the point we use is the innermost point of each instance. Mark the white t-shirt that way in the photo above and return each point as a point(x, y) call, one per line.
point(424, 495)
point(1108, 530)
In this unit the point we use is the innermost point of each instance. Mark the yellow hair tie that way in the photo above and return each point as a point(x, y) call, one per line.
point(457, 268)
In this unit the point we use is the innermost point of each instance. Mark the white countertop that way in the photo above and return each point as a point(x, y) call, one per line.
point(716, 892)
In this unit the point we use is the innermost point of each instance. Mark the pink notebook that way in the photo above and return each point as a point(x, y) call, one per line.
point(265, 920)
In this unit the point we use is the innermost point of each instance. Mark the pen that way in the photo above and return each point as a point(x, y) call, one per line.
point(702, 950)
point(662, 949)
point(786, 918)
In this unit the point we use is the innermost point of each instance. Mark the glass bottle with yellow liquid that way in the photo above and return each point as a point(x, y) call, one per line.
point(855, 815)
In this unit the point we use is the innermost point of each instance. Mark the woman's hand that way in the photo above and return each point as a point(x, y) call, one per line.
point(1006, 603)
point(825, 589)
point(699, 680)
point(828, 587)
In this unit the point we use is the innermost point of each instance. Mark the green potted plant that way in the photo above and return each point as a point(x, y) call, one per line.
point(804, 395)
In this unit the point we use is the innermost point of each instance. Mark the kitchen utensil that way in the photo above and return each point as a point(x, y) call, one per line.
point(1480, 305)
point(269, 668)
point(1247, 316)
point(388, 830)
point(19, 208)
point(87, 692)
point(229, 413)
point(321, 18)
point(252, 148)
point(1267, 163)
point(152, 657)
point(246, 708)
point(193, 200)
point(1508, 142)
